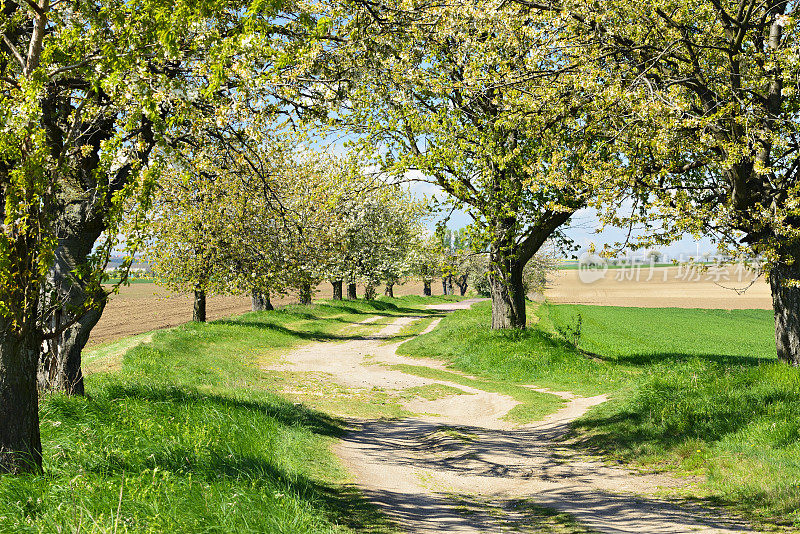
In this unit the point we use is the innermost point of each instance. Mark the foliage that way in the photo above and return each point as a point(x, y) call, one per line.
point(475, 97)
point(102, 91)
point(372, 232)
point(535, 276)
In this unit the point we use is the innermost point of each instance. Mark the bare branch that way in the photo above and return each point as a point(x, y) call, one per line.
point(14, 51)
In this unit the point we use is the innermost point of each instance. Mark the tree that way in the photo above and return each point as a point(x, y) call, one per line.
point(188, 233)
point(476, 97)
point(706, 115)
point(81, 112)
point(89, 91)
point(424, 259)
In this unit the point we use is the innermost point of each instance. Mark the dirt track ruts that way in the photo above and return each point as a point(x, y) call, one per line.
point(462, 468)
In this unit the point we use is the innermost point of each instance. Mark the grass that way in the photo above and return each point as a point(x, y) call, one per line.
point(533, 406)
point(434, 391)
point(187, 437)
point(698, 391)
point(533, 356)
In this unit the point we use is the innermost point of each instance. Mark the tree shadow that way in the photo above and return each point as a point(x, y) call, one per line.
point(644, 359)
point(320, 336)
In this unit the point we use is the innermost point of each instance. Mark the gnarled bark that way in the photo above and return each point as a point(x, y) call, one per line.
point(461, 282)
point(305, 293)
point(786, 305)
point(426, 288)
point(59, 367)
point(369, 291)
point(508, 300)
point(351, 291)
point(20, 441)
point(199, 314)
point(389, 291)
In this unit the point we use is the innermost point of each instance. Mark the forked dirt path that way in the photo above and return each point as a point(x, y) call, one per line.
point(462, 468)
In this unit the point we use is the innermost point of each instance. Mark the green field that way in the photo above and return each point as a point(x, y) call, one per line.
point(185, 437)
point(698, 391)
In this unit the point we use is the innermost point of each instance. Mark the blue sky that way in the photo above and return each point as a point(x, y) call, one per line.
point(582, 229)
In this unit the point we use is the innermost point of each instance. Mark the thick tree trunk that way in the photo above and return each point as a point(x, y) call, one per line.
point(337, 289)
point(199, 306)
point(389, 292)
point(60, 358)
point(369, 291)
point(786, 305)
point(426, 288)
point(450, 285)
point(351, 291)
point(260, 301)
point(444, 286)
point(508, 300)
point(305, 293)
point(20, 441)
point(59, 367)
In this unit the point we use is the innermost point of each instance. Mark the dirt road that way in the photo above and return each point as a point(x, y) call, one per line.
point(459, 466)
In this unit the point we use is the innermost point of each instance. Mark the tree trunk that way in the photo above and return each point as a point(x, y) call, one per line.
point(199, 306)
point(260, 301)
point(20, 441)
point(351, 291)
point(59, 367)
point(426, 288)
point(444, 285)
point(461, 282)
point(337, 289)
point(450, 285)
point(389, 292)
point(305, 293)
point(508, 300)
point(369, 291)
point(60, 358)
point(786, 305)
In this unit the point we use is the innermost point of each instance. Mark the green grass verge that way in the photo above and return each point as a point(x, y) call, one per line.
point(187, 438)
point(433, 391)
point(698, 391)
point(533, 356)
point(533, 406)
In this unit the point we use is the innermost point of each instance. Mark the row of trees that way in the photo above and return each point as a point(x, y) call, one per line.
point(260, 213)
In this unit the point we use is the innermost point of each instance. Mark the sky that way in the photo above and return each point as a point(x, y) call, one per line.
point(582, 228)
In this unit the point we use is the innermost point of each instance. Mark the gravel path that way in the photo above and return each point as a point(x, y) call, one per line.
point(462, 468)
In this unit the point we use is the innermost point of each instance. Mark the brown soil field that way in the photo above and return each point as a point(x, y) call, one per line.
point(143, 307)
point(668, 287)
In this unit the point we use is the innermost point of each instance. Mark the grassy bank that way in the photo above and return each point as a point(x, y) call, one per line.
point(698, 391)
point(183, 437)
